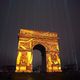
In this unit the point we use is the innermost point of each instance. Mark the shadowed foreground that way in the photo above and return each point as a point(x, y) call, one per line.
point(40, 76)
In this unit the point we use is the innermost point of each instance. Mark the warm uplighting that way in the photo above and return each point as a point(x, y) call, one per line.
point(29, 56)
point(27, 40)
point(18, 58)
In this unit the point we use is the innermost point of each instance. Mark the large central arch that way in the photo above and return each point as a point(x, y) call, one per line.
point(43, 55)
point(46, 42)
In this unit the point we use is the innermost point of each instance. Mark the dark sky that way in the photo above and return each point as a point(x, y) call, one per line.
point(62, 16)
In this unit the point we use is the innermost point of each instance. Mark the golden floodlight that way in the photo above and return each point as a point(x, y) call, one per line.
point(27, 40)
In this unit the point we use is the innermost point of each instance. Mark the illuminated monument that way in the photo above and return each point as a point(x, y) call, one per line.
point(46, 42)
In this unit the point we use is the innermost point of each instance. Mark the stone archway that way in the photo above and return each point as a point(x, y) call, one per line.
point(29, 40)
point(41, 48)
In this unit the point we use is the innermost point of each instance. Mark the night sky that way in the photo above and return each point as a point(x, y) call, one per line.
point(61, 16)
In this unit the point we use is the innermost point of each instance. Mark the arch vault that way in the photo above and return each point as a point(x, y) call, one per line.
point(28, 41)
point(41, 48)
